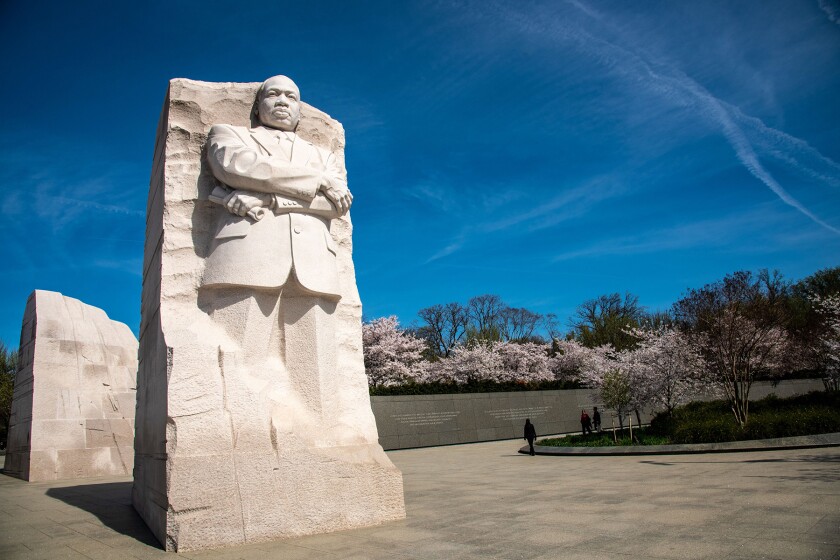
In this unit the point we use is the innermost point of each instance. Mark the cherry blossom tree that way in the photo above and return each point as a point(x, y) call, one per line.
point(829, 340)
point(736, 352)
point(470, 364)
point(392, 356)
point(567, 360)
point(736, 324)
point(525, 362)
point(611, 373)
point(498, 362)
point(668, 367)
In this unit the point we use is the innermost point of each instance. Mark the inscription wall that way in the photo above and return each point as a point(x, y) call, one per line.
point(428, 420)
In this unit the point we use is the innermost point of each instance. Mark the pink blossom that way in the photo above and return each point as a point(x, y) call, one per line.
point(392, 356)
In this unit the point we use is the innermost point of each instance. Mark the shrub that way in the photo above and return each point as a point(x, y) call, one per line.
point(771, 417)
point(709, 430)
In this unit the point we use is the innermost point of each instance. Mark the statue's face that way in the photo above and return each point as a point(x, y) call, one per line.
point(279, 104)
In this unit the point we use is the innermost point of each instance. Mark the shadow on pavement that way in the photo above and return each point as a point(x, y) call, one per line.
point(111, 504)
point(799, 459)
point(803, 474)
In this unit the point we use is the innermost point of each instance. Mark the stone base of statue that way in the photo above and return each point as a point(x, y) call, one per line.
point(73, 408)
point(253, 417)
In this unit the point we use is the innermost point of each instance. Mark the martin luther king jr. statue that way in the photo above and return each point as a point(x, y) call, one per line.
point(284, 192)
point(272, 264)
point(253, 415)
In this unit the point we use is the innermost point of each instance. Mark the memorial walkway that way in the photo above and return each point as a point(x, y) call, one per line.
point(487, 500)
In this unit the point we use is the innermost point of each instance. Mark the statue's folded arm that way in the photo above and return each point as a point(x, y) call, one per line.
point(242, 167)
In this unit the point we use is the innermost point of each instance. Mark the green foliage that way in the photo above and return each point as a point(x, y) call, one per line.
point(822, 283)
point(771, 417)
point(641, 436)
point(474, 387)
point(606, 320)
point(488, 334)
point(706, 430)
point(8, 369)
point(615, 391)
point(806, 323)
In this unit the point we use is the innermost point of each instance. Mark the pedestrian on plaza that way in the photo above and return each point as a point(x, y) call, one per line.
point(596, 419)
point(530, 434)
point(585, 422)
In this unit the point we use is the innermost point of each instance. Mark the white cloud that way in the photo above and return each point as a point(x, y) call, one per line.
point(832, 12)
point(538, 214)
point(710, 233)
point(659, 77)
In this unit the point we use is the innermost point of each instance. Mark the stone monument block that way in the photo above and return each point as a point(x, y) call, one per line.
point(253, 418)
point(74, 396)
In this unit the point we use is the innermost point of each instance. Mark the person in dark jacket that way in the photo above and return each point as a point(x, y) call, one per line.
point(585, 423)
point(530, 434)
point(596, 419)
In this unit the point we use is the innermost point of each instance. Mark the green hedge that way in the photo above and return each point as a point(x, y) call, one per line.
point(476, 387)
point(605, 439)
point(771, 417)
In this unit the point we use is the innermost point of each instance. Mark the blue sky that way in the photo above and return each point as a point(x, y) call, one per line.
point(547, 152)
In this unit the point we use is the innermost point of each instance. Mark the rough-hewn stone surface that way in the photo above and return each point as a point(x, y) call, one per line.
point(225, 452)
point(74, 396)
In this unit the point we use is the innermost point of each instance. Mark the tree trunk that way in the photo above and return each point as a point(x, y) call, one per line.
point(740, 402)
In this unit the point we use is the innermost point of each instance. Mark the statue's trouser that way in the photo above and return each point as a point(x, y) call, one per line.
point(287, 332)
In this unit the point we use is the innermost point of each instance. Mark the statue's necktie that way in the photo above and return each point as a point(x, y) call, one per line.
point(285, 144)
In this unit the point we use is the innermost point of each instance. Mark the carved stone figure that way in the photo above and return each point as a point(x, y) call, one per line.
point(301, 185)
point(273, 249)
point(273, 242)
point(253, 416)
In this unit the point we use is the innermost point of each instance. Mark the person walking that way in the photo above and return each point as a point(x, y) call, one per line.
point(530, 434)
point(596, 419)
point(585, 423)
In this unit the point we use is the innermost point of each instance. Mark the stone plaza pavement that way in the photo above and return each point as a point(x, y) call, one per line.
point(488, 501)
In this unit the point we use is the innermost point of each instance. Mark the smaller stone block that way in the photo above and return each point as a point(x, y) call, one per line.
point(75, 393)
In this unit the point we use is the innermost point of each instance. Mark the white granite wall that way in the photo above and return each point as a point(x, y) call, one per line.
point(74, 396)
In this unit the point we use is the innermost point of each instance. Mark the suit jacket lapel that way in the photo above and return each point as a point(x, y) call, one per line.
point(266, 141)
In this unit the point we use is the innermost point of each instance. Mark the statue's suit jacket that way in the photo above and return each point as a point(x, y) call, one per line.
point(263, 253)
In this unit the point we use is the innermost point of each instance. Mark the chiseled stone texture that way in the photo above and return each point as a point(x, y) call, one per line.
point(74, 396)
point(223, 454)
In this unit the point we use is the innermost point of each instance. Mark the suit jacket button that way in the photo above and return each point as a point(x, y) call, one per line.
point(297, 230)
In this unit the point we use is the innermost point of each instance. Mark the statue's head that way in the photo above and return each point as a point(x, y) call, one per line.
point(278, 103)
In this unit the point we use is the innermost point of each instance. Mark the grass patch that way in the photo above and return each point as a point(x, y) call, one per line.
point(605, 439)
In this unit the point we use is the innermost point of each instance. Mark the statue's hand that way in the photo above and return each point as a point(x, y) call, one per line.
point(341, 196)
point(241, 202)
